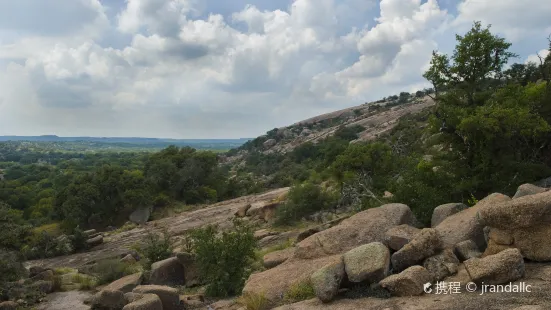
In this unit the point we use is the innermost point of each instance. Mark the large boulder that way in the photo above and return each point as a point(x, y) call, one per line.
point(90, 232)
point(108, 300)
point(425, 244)
point(35, 270)
point(534, 242)
point(369, 262)
point(145, 302)
point(408, 282)
point(504, 267)
point(442, 265)
point(242, 211)
point(168, 295)
point(442, 212)
point(263, 209)
point(167, 272)
point(398, 236)
point(327, 280)
point(465, 224)
point(141, 215)
point(126, 284)
point(191, 268)
point(523, 212)
point(528, 189)
point(274, 283)
point(46, 275)
point(129, 259)
point(278, 257)
point(362, 228)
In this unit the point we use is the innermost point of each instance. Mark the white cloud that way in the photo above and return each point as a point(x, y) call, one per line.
point(534, 57)
point(516, 19)
point(188, 71)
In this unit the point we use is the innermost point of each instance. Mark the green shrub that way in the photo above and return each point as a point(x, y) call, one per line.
point(78, 240)
point(303, 200)
point(44, 245)
point(11, 268)
point(156, 247)
point(224, 259)
point(13, 229)
point(85, 282)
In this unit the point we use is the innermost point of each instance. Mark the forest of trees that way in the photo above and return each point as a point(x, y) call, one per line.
point(489, 131)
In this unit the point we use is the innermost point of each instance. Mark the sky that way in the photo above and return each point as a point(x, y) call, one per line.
point(226, 69)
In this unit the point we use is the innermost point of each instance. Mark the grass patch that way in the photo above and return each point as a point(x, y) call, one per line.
point(126, 227)
point(299, 291)
point(85, 282)
point(64, 270)
point(53, 229)
point(110, 270)
point(57, 283)
point(253, 301)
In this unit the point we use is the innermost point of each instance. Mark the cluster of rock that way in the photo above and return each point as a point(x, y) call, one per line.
point(384, 247)
point(141, 297)
point(40, 282)
point(94, 238)
point(135, 292)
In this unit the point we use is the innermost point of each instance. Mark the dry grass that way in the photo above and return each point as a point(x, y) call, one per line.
point(253, 301)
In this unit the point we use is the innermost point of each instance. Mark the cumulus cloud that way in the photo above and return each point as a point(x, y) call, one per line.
point(516, 19)
point(190, 69)
point(535, 58)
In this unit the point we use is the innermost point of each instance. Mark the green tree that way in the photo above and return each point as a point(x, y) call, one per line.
point(13, 229)
point(477, 60)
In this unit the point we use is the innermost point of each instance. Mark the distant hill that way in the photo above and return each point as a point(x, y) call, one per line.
point(133, 142)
